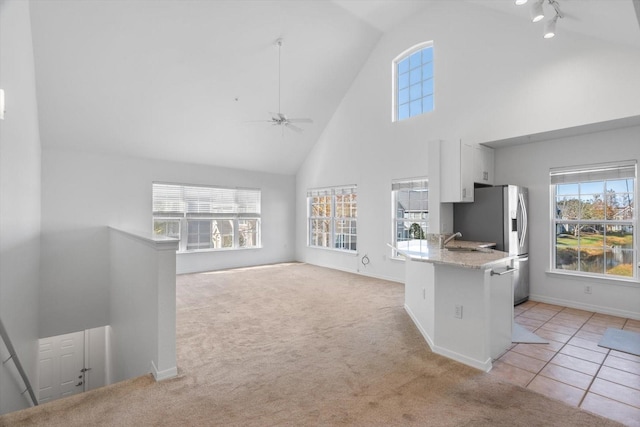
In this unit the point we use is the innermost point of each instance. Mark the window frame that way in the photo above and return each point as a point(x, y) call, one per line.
point(395, 92)
point(411, 184)
point(237, 209)
point(584, 175)
point(332, 219)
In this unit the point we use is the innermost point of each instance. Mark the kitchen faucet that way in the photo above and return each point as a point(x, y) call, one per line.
point(443, 242)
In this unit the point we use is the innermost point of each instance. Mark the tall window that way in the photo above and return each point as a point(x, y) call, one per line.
point(410, 199)
point(413, 82)
point(207, 217)
point(332, 218)
point(594, 220)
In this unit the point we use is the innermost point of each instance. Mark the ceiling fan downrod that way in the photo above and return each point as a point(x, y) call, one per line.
point(279, 43)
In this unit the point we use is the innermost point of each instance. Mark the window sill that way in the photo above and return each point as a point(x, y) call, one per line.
point(344, 251)
point(199, 251)
point(593, 278)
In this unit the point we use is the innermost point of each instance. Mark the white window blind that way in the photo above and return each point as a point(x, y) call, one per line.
point(168, 200)
point(601, 172)
point(416, 184)
point(196, 201)
point(318, 192)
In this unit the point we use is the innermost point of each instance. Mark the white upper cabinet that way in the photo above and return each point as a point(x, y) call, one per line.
point(461, 165)
point(456, 171)
point(484, 166)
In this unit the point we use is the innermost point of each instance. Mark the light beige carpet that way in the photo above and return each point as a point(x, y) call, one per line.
point(302, 345)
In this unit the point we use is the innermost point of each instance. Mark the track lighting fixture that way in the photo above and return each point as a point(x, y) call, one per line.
point(550, 28)
point(537, 15)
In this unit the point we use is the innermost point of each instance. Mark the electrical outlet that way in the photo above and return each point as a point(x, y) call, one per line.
point(587, 289)
point(458, 312)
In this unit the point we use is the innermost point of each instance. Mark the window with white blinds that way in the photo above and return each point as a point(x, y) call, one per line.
point(332, 218)
point(594, 220)
point(207, 217)
point(410, 199)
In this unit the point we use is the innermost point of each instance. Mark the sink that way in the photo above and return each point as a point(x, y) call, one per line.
point(468, 249)
point(461, 249)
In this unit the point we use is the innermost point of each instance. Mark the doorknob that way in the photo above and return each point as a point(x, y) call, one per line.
point(79, 384)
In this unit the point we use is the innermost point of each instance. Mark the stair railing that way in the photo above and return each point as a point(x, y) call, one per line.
point(13, 356)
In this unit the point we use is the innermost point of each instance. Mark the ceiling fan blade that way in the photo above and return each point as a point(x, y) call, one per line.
point(300, 121)
point(293, 127)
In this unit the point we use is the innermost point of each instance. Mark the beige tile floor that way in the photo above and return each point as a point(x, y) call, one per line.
point(571, 367)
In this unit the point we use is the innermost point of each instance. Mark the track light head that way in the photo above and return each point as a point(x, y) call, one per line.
point(537, 14)
point(550, 28)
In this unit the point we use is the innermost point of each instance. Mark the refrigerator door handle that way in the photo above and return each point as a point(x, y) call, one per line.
point(523, 226)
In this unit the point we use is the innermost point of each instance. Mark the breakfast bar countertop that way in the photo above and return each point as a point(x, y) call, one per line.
point(460, 253)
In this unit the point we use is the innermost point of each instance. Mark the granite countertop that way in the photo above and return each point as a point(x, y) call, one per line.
point(482, 257)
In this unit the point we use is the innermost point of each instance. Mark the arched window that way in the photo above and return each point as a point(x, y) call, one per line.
point(413, 82)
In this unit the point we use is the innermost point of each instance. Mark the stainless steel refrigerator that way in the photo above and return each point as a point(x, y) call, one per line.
point(499, 214)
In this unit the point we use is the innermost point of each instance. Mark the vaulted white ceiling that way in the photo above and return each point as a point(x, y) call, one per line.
point(190, 80)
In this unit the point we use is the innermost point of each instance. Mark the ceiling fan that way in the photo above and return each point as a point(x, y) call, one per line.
point(279, 118)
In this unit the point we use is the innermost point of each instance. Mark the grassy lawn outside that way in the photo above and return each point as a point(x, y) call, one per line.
point(592, 250)
point(595, 240)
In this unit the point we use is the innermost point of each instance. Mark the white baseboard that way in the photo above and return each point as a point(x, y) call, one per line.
point(587, 307)
point(378, 276)
point(163, 375)
point(424, 333)
point(478, 364)
point(357, 271)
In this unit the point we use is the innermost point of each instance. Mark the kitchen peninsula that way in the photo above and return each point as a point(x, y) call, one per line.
point(461, 299)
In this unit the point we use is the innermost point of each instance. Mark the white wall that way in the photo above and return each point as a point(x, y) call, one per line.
point(142, 305)
point(82, 193)
point(529, 165)
point(19, 201)
point(488, 86)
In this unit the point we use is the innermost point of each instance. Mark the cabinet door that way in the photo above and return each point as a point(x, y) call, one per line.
point(484, 165)
point(456, 172)
point(449, 171)
point(467, 167)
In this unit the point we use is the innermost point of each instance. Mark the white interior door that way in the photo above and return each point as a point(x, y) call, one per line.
point(61, 366)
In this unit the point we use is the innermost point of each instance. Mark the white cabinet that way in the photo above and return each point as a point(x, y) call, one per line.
point(484, 166)
point(462, 165)
point(456, 171)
